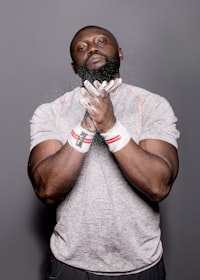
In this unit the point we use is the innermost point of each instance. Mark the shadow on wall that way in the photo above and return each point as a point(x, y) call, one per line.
point(44, 219)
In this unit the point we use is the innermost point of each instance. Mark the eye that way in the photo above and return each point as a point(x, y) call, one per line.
point(82, 47)
point(101, 41)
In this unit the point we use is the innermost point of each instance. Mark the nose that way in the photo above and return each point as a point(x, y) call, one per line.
point(92, 49)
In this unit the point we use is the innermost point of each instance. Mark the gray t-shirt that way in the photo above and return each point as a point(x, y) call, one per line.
point(105, 225)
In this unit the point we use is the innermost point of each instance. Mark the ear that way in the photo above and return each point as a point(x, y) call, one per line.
point(121, 56)
point(74, 67)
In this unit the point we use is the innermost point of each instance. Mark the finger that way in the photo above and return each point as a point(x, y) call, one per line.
point(104, 93)
point(118, 82)
point(109, 85)
point(88, 106)
point(83, 91)
point(91, 111)
point(91, 89)
point(97, 84)
point(84, 103)
point(96, 101)
point(102, 86)
point(89, 98)
point(113, 84)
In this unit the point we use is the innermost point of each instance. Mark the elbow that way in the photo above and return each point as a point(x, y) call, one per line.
point(161, 187)
point(160, 192)
point(49, 193)
point(44, 195)
point(43, 190)
point(44, 187)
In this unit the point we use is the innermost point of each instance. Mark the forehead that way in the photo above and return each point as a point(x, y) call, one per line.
point(91, 32)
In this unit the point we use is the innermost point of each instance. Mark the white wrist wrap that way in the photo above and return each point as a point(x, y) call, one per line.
point(80, 139)
point(117, 137)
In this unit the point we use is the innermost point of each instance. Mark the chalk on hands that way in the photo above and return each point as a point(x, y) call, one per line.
point(112, 85)
point(97, 84)
point(108, 86)
point(91, 88)
point(86, 104)
point(103, 85)
point(83, 91)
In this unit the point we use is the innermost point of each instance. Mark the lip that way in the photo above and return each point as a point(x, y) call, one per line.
point(95, 58)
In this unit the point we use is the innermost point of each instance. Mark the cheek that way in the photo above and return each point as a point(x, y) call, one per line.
point(111, 52)
point(80, 59)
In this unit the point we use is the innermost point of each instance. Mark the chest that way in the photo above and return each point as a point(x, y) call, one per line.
point(127, 110)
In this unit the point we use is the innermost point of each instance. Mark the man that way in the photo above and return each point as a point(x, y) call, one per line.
point(106, 152)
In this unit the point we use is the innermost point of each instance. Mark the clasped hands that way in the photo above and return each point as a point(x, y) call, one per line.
point(99, 109)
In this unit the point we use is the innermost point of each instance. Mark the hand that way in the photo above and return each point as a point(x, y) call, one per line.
point(88, 123)
point(98, 104)
point(108, 86)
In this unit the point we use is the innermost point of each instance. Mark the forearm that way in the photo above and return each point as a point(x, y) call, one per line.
point(149, 173)
point(54, 167)
point(54, 176)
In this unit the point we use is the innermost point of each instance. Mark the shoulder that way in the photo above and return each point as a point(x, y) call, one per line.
point(149, 100)
point(142, 93)
point(51, 109)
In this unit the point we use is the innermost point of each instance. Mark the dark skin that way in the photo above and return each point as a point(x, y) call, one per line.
point(150, 166)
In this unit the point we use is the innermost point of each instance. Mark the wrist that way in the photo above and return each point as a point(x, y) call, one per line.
point(108, 127)
point(80, 139)
point(88, 123)
point(117, 137)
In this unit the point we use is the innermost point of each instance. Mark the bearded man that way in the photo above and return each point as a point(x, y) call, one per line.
point(106, 154)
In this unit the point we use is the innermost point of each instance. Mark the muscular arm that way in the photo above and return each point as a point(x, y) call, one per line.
point(151, 166)
point(53, 167)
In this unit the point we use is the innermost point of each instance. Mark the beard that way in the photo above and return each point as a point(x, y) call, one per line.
point(105, 73)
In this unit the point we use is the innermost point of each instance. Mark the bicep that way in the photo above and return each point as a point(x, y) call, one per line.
point(42, 151)
point(163, 150)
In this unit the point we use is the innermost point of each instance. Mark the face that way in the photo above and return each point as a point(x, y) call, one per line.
point(96, 55)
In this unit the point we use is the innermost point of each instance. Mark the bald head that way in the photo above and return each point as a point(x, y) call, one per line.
point(90, 28)
point(95, 54)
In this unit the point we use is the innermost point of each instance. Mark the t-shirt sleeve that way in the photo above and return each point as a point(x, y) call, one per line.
point(43, 125)
point(159, 121)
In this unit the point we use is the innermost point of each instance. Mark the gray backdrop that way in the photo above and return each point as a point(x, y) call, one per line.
point(161, 44)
